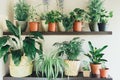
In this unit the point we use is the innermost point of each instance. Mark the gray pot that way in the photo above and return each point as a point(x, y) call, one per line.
point(22, 24)
point(61, 27)
point(93, 26)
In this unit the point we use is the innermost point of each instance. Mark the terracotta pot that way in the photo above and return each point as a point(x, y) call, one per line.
point(33, 26)
point(72, 68)
point(95, 68)
point(77, 26)
point(104, 73)
point(86, 73)
point(52, 27)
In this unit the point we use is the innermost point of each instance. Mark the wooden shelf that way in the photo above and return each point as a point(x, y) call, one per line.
point(68, 33)
point(34, 77)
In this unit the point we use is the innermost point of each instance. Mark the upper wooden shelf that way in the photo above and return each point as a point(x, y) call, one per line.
point(68, 33)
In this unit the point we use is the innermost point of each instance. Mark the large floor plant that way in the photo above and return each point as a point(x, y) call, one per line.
point(22, 51)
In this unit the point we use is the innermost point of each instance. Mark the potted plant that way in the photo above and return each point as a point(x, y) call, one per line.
point(43, 24)
point(78, 15)
point(86, 69)
point(72, 49)
point(94, 8)
point(22, 51)
point(33, 24)
point(104, 71)
point(50, 65)
point(52, 18)
point(96, 57)
point(21, 14)
point(104, 17)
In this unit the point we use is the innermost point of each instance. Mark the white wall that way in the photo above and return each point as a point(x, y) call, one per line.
point(112, 53)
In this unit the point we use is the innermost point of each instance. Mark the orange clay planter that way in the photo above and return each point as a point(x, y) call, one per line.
point(95, 69)
point(33, 26)
point(77, 26)
point(52, 27)
point(104, 73)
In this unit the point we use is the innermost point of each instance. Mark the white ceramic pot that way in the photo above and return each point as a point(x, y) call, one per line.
point(22, 24)
point(44, 26)
point(23, 69)
point(86, 73)
point(72, 68)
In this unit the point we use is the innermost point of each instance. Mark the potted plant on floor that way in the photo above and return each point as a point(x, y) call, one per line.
point(96, 57)
point(22, 51)
point(50, 66)
point(52, 18)
point(86, 69)
point(104, 71)
point(79, 16)
point(72, 49)
point(104, 17)
point(21, 14)
point(33, 22)
point(94, 8)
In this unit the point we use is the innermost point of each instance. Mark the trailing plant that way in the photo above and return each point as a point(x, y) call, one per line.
point(71, 48)
point(79, 15)
point(95, 7)
point(105, 16)
point(95, 54)
point(21, 10)
point(53, 16)
point(51, 66)
point(17, 47)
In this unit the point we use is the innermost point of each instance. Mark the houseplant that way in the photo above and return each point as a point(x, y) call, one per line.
point(72, 49)
point(21, 14)
point(33, 22)
point(50, 65)
point(79, 16)
point(86, 69)
point(96, 57)
point(104, 17)
point(22, 51)
point(94, 8)
point(52, 18)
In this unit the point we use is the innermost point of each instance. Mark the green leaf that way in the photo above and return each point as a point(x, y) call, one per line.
point(91, 46)
point(37, 35)
point(3, 40)
point(4, 50)
point(5, 58)
point(16, 56)
point(12, 28)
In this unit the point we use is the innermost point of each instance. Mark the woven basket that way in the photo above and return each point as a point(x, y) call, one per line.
point(23, 69)
point(72, 68)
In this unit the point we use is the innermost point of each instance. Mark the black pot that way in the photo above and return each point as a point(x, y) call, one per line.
point(102, 26)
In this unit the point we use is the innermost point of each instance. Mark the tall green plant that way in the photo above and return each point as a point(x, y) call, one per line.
point(95, 54)
point(71, 48)
point(17, 47)
point(22, 10)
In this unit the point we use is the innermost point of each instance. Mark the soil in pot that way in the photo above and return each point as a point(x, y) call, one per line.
point(22, 24)
point(77, 26)
point(102, 26)
point(52, 27)
point(104, 73)
point(33, 26)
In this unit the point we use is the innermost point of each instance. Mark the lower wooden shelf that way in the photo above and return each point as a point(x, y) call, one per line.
point(34, 77)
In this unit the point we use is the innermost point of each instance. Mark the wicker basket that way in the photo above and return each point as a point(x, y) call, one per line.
point(23, 69)
point(72, 68)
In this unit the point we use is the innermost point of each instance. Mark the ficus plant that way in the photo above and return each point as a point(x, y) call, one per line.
point(95, 54)
point(17, 47)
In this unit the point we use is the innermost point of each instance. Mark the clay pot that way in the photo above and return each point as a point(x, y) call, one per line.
point(52, 27)
point(77, 26)
point(33, 26)
point(95, 68)
point(104, 73)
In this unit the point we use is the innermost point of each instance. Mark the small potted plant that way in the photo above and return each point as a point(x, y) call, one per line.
point(79, 16)
point(52, 18)
point(94, 8)
point(72, 49)
point(104, 17)
point(21, 14)
point(50, 65)
point(33, 22)
point(22, 51)
point(96, 57)
point(104, 71)
point(86, 69)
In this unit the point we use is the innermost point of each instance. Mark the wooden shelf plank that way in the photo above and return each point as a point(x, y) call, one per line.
point(68, 33)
